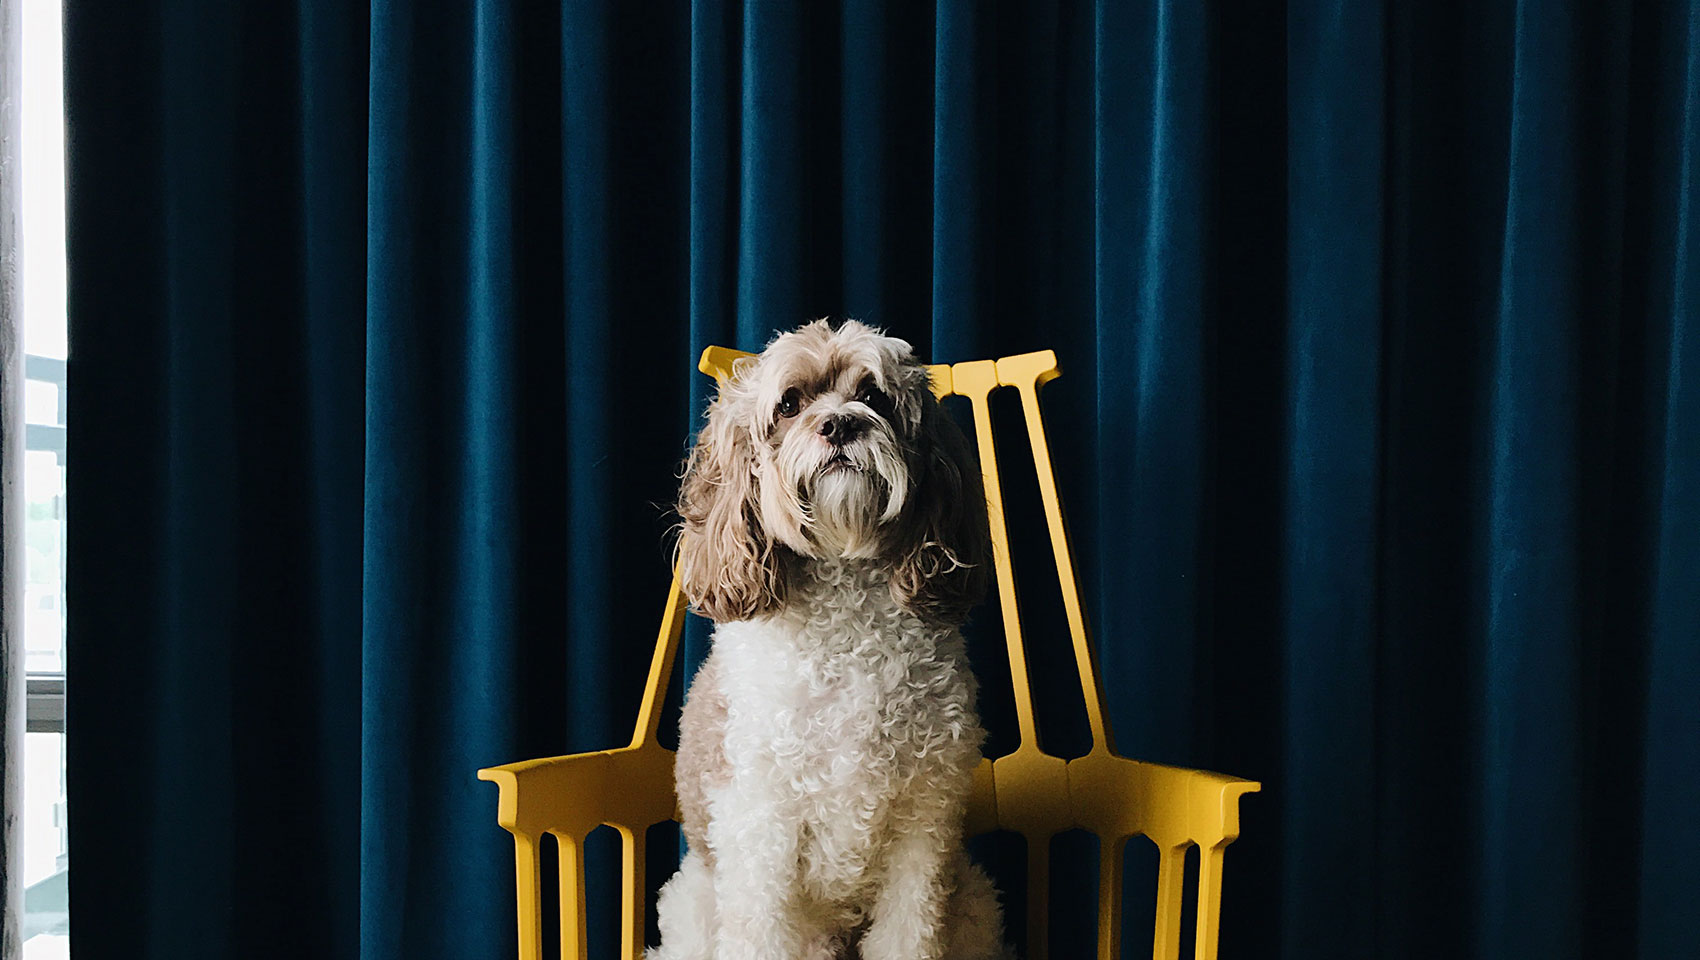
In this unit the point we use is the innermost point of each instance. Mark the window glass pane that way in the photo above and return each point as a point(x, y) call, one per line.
point(46, 919)
point(41, 402)
point(41, 254)
point(44, 585)
point(42, 176)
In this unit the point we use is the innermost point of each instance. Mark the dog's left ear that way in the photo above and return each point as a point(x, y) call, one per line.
point(942, 543)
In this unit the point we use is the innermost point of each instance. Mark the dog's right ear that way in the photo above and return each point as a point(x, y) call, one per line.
point(729, 569)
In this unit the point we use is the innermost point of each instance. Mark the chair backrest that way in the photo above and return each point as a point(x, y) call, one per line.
point(1027, 791)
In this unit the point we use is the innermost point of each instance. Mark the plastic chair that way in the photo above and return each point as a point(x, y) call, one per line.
point(1029, 792)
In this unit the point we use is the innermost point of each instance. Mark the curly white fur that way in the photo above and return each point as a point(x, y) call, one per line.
point(828, 744)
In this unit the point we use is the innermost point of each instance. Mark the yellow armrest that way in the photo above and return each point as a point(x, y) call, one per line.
point(629, 787)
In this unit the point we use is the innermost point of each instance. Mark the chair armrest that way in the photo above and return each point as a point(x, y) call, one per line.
point(1171, 805)
point(571, 795)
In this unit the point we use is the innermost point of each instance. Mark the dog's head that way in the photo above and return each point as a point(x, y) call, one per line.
point(830, 445)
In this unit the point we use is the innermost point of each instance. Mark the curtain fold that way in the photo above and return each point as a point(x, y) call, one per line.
point(216, 325)
point(1669, 479)
point(1331, 509)
point(1379, 429)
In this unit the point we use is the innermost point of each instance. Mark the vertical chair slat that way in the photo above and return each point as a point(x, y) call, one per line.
point(1209, 900)
point(1027, 373)
point(1110, 851)
point(1171, 870)
point(976, 379)
point(528, 877)
point(574, 939)
point(632, 843)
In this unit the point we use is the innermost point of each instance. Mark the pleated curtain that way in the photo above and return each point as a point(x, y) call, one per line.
point(1379, 429)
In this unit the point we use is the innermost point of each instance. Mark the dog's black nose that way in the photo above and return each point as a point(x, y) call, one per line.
point(841, 428)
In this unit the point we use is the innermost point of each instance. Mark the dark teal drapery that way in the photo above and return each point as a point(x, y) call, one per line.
point(1380, 430)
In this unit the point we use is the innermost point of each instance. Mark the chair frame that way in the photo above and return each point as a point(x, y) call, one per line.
point(1027, 791)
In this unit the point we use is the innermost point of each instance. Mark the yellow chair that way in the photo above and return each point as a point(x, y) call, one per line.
point(1028, 791)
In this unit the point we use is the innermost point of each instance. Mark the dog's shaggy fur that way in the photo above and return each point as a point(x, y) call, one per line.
point(834, 528)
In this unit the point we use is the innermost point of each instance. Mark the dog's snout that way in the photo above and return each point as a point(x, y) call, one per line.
point(841, 428)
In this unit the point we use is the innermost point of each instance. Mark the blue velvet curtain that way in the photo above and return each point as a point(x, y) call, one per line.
point(1379, 428)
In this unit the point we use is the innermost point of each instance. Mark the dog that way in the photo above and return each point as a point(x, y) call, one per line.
point(834, 528)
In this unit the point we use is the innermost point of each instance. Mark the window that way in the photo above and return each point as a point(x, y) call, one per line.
point(42, 173)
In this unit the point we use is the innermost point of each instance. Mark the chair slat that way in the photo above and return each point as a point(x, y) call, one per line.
point(574, 943)
point(528, 877)
point(1027, 373)
point(1209, 901)
point(633, 848)
point(976, 379)
point(661, 665)
point(1171, 873)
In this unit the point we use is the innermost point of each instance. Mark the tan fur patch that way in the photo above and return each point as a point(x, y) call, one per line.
point(701, 762)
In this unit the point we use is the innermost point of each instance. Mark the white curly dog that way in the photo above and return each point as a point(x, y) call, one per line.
point(834, 528)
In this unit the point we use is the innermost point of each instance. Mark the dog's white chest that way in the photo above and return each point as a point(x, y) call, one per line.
point(846, 718)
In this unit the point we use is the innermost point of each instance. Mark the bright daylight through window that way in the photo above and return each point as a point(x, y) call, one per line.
point(42, 145)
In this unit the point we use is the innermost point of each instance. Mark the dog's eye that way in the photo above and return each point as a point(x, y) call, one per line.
point(872, 396)
point(790, 403)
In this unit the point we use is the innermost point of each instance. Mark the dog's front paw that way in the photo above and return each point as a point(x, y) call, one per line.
point(685, 912)
point(902, 938)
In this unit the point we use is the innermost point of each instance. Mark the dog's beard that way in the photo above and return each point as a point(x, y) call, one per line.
point(840, 498)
